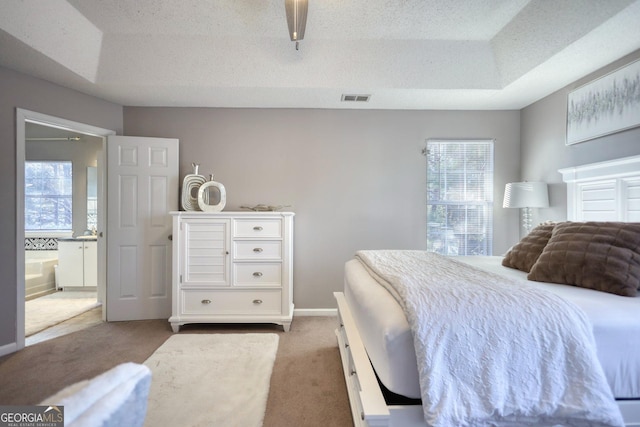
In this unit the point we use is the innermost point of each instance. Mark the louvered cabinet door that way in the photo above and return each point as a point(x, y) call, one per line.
point(205, 251)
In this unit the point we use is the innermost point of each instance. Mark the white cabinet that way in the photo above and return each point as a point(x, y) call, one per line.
point(90, 263)
point(77, 263)
point(232, 267)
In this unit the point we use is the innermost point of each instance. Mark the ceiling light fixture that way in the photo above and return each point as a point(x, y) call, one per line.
point(296, 19)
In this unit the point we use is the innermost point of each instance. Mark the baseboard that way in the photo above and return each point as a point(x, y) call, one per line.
point(328, 312)
point(8, 349)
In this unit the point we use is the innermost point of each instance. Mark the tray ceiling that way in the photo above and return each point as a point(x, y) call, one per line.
point(406, 54)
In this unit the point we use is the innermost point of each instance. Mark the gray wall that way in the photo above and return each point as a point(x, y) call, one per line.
point(355, 179)
point(20, 91)
point(543, 149)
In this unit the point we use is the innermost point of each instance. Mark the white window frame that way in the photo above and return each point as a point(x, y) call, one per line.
point(63, 232)
point(451, 239)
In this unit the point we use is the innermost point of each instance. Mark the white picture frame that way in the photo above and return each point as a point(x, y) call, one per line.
point(604, 106)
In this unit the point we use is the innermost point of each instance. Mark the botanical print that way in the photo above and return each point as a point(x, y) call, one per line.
point(607, 105)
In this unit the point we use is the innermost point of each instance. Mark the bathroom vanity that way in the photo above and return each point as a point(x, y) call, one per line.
point(78, 263)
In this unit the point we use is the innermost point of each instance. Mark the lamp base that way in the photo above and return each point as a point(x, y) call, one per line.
point(526, 220)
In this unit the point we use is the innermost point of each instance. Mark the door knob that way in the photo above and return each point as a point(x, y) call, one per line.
point(170, 237)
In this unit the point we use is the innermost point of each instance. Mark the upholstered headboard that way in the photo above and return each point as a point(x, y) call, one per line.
point(604, 191)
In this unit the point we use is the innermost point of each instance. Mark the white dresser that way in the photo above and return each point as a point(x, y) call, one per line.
point(232, 267)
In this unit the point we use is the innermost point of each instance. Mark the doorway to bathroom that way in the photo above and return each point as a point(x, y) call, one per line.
point(61, 213)
point(61, 207)
point(142, 189)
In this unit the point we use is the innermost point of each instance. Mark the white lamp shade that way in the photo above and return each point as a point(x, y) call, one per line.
point(526, 195)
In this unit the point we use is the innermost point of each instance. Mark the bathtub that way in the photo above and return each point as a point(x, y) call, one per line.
point(39, 272)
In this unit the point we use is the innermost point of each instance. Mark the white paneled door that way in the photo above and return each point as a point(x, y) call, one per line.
point(142, 187)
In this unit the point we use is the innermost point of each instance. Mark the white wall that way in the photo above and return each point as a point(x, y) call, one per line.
point(356, 179)
point(544, 151)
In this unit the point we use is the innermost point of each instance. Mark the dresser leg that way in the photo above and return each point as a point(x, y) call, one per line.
point(175, 327)
point(286, 326)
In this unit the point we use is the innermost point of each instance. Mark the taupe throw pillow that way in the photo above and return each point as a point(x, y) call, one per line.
point(604, 256)
point(526, 252)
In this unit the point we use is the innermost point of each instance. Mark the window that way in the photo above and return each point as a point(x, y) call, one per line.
point(48, 196)
point(460, 197)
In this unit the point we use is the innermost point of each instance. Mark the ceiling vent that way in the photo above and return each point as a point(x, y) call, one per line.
point(355, 98)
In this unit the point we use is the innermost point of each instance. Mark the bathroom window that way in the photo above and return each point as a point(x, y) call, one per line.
point(48, 196)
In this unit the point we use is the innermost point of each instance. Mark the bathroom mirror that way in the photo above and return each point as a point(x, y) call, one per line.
point(92, 197)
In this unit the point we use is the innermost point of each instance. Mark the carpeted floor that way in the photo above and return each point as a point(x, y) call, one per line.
point(307, 386)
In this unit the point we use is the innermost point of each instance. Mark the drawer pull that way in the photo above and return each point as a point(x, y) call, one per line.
point(353, 372)
point(257, 274)
point(206, 301)
point(257, 301)
point(257, 228)
point(257, 250)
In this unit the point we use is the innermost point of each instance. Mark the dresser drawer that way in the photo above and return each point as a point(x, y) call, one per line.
point(257, 250)
point(257, 228)
point(231, 302)
point(263, 274)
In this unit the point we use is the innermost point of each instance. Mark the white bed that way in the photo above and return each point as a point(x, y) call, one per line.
point(366, 338)
point(389, 342)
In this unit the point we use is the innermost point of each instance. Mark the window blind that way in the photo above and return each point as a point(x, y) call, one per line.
point(460, 197)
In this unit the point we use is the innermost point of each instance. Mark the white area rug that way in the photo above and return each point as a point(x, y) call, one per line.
point(44, 312)
point(211, 380)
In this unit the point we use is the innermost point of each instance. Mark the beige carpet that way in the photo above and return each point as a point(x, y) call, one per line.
point(49, 310)
point(211, 380)
point(307, 384)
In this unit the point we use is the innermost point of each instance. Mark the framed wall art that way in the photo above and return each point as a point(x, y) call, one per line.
point(604, 106)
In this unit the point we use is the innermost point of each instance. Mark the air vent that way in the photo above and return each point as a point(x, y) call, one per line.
point(355, 98)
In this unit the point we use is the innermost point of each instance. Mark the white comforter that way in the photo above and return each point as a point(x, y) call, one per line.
point(494, 354)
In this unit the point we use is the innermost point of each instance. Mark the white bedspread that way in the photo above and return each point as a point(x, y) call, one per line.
point(491, 353)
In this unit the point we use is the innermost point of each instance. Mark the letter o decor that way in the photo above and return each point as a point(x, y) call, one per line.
point(203, 197)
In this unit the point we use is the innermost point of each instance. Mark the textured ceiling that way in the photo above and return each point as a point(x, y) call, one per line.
point(408, 54)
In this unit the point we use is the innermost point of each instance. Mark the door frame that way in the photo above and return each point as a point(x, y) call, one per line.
point(22, 117)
